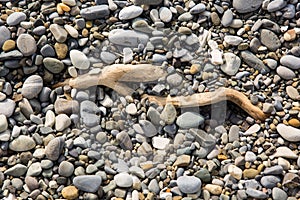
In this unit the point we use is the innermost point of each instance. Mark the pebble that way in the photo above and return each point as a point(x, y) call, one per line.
point(32, 86)
point(270, 39)
point(22, 143)
point(131, 109)
point(235, 172)
point(95, 12)
point(127, 38)
point(199, 8)
point(87, 183)
point(290, 61)
point(182, 161)
point(31, 183)
point(227, 18)
point(233, 134)
point(71, 31)
point(160, 142)
point(123, 180)
point(165, 14)
point(70, 192)
point(250, 156)
point(16, 18)
point(285, 73)
point(9, 45)
point(168, 115)
point(174, 80)
point(147, 2)
point(54, 65)
point(254, 62)
point(62, 121)
point(123, 139)
point(189, 120)
point(232, 64)
point(34, 169)
point(5, 35)
point(285, 152)
point(26, 44)
point(54, 148)
point(7, 107)
point(279, 194)
point(189, 184)
point(148, 128)
point(246, 6)
point(61, 50)
point(59, 33)
point(16, 171)
point(130, 12)
point(256, 193)
point(276, 5)
point(290, 35)
point(233, 40)
point(79, 59)
point(213, 189)
point(269, 181)
point(250, 173)
point(292, 93)
point(3, 123)
point(65, 169)
point(289, 133)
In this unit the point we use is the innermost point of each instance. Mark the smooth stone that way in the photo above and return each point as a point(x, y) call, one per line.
point(16, 18)
point(148, 128)
point(250, 156)
point(16, 171)
point(65, 169)
point(235, 172)
point(17, 183)
point(227, 18)
point(279, 194)
point(124, 140)
point(271, 63)
point(189, 184)
point(131, 109)
point(123, 180)
point(31, 183)
point(22, 143)
point(185, 17)
point(54, 65)
point(199, 8)
point(292, 93)
point(289, 11)
point(284, 152)
point(270, 39)
point(256, 193)
point(290, 61)
point(70, 192)
point(285, 73)
point(232, 64)
point(233, 40)
point(69, 2)
point(252, 129)
point(59, 33)
point(213, 189)
point(34, 169)
point(289, 133)
point(254, 62)
point(61, 50)
point(11, 55)
point(79, 59)
point(87, 183)
point(276, 5)
point(147, 2)
point(250, 173)
point(54, 148)
point(95, 12)
point(64, 106)
point(189, 120)
point(274, 170)
point(246, 6)
point(108, 57)
point(182, 161)
point(47, 51)
point(5, 35)
point(174, 80)
point(7, 107)
point(62, 121)
point(165, 14)
point(89, 112)
point(3, 123)
point(130, 12)
point(127, 38)
point(26, 44)
point(32, 86)
point(71, 30)
point(168, 115)
point(270, 181)
point(233, 134)
point(160, 142)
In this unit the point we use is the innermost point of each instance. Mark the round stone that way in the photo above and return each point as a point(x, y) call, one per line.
point(61, 50)
point(7, 107)
point(62, 121)
point(15, 18)
point(285, 73)
point(79, 59)
point(32, 86)
point(270, 39)
point(165, 14)
point(3, 123)
point(65, 168)
point(53, 65)
point(290, 61)
point(87, 183)
point(189, 184)
point(5, 35)
point(31, 183)
point(130, 12)
point(26, 44)
point(70, 192)
point(245, 6)
point(123, 180)
point(22, 143)
point(9, 45)
point(54, 148)
point(289, 133)
point(168, 115)
point(189, 120)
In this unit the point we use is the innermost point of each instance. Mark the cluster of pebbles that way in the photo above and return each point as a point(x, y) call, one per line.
point(66, 143)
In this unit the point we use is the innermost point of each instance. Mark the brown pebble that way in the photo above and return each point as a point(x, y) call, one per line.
point(70, 192)
point(61, 50)
point(195, 68)
point(294, 122)
point(290, 35)
point(9, 45)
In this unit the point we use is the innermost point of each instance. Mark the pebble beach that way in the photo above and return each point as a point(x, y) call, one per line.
point(107, 140)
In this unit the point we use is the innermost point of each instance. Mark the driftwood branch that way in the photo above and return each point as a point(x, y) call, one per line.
point(115, 76)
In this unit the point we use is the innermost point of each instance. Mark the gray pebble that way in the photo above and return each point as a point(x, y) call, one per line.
point(32, 86)
point(127, 38)
point(87, 183)
point(290, 61)
point(123, 180)
point(54, 65)
point(270, 39)
point(245, 6)
point(189, 120)
point(22, 143)
point(95, 12)
point(26, 44)
point(15, 18)
point(285, 73)
point(130, 12)
point(65, 169)
point(276, 5)
point(189, 184)
point(227, 18)
point(5, 35)
point(54, 148)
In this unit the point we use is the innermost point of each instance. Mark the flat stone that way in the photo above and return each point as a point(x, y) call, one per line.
point(54, 65)
point(246, 6)
point(278, 194)
point(182, 161)
point(185, 17)
point(274, 170)
point(289, 133)
point(189, 184)
point(11, 55)
point(235, 172)
point(254, 62)
point(227, 18)
point(232, 64)
point(16, 18)
point(47, 51)
point(270, 39)
point(124, 140)
point(276, 5)
point(34, 169)
point(123, 180)
point(270, 181)
point(168, 115)
point(130, 12)
point(250, 173)
point(292, 93)
point(95, 12)
point(59, 33)
point(256, 193)
point(290, 61)
point(16, 171)
point(233, 40)
point(108, 57)
point(165, 14)
point(189, 120)
point(70, 192)
point(22, 143)
point(64, 106)
point(65, 169)
point(199, 8)
point(3, 123)
point(79, 59)
point(87, 183)
point(62, 121)
point(252, 129)
point(285, 73)
point(284, 152)
point(9, 45)
point(148, 128)
point(26, 44)
point(71, 30)
point(54, 148)
point(160, 142)
point(213, 189)
point(147, 2)
point(4, 36)
point(128, 38)
point(32, 86)
point(31, 183)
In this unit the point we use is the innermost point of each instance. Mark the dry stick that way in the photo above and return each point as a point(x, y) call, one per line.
point(114, 76)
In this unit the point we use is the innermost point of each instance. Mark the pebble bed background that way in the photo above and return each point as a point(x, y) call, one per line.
point(65, 143)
